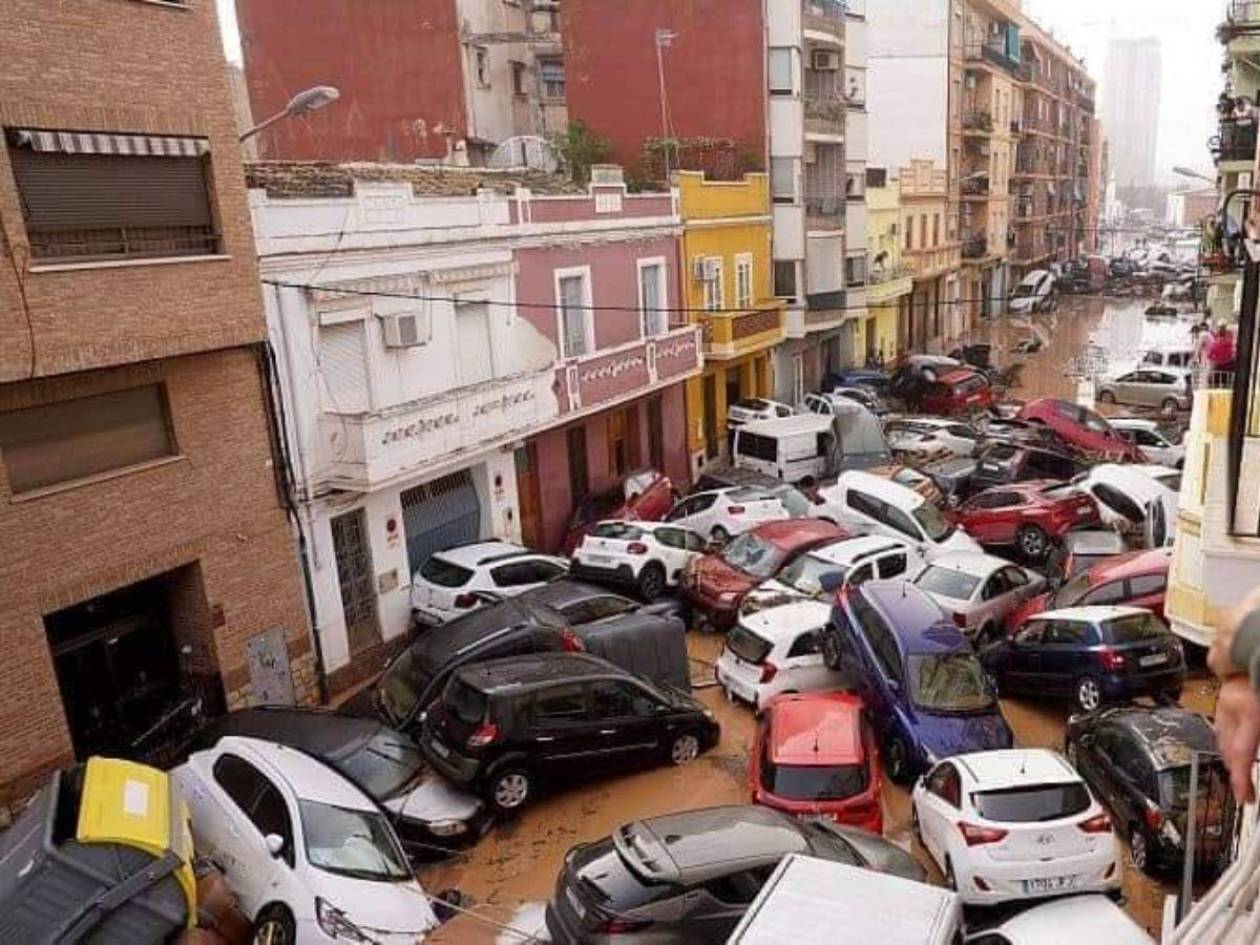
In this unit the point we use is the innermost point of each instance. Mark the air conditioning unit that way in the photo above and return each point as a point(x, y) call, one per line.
point(407, 330)
point(825, 60)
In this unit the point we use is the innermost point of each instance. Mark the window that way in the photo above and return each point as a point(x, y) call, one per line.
point(551, 71)
point(713, 284)
point(783, 179)
point(1118, 502)
point(133, 202)
point(1105, 594)
point(895, 518)
point(521, 573)
point(598, 608)
point(909, 233)
point(74, 439)
point(561, 705)
point(653, 318)
point(472, 334)
point(1067, 633)
point(619, 700)
point(936, 229)
point(518, 78)
point(780, 72)
point(743, 281)
point(482, 55)
point(893, 565)
point(807, 644)
point(880, 638)
point(923, 243)
point(579, 477)
point(855, 271)
point(575, 326)
point(1146, 584)
point(239, 779)
point(785, 279)
point(623, 440)
point(271, 816)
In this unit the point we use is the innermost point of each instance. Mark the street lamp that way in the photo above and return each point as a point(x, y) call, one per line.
point(308, 100)
point(1191, 172)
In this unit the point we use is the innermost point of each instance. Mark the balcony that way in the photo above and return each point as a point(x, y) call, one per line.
point(824, 17)
point(975, 247)
point(1236, 142)
point(977, 122)
point(825, 213)
point(885, 283)
point(975, 185)
point(930, 263)
point(730, 335)
point(1242, 17)
point(824, 114)
point(994, 54)
point(617, 374)
point(368, 451)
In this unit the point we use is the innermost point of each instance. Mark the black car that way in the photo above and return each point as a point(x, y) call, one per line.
point(1090, 654)
point(430, 816)
point(563, 616)
point(1138, 762)
point(509, 726)
point(1001, 464)
point(689, 877)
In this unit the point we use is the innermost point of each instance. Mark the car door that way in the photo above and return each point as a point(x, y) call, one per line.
point(1063, 654)
point(939, 809)
point(987, 605)
point(561, 737)
point(1019, 586)
point(719, 904)
point(626, 721)
point(1021, 664)
point(804, 665)
point(672, 548)
point(1125, 386)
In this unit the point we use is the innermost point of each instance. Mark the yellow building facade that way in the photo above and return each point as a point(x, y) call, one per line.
point(889, 281)
point(727, 274)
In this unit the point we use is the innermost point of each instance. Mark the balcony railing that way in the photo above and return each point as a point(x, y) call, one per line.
point(978, 120)
point(825, 109)
point(1241, 16)
point(992, 53)
point(823, 16)
point(975, 186)
point(825, 301)
point(879, 275)
point(975, 247)
point(611, 375)
point(1236, 142)
point(734, 334)
point(126, 242)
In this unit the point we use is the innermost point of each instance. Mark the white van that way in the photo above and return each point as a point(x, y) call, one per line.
point(807, 901)
point(810, 447)
point(1033, 294)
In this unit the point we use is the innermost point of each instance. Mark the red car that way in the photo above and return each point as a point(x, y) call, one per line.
point(814, 756)
point(1082, 429)
point(715, 585)
point(957, 392)
point(1028, 515)
point(1136, 579)
point(643, 496)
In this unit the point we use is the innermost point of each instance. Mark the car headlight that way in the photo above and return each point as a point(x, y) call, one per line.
point(335, 924)
point(447, 828)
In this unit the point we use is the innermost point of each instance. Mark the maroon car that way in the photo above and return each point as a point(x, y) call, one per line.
point(958, 392)
point(1085, 431)
point(1028, 515)
point(715, 585)
point(641, 497)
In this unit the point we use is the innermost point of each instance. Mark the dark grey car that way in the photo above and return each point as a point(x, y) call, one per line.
point(689, 877)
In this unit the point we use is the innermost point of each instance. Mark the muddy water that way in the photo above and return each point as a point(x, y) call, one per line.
point(518, 862)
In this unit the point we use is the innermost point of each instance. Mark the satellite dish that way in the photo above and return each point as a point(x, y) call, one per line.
point(526, 151)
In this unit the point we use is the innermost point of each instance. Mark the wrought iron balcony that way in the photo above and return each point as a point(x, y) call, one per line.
point(1236, 142)
point(975, 247)
point(978, 120)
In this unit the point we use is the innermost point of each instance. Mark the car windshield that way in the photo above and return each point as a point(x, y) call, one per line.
point(1136, 628)
point(949, 683)
point(1023, 290)
point(384, 765)
point(805, 574)
point(444, 573)
point(795, 504)
point(753, 555)
point(814, 782)
point(1174, 784)
point(1093, 422)
point(1033, 803)
point(1070, 594)
point(948, 583)
point(747, 645)
point(933, 523)
point(401, 685)
point(354, 843)
point(465, 702)
point(619, 531)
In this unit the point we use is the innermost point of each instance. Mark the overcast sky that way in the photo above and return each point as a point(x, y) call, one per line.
point(1192, 57)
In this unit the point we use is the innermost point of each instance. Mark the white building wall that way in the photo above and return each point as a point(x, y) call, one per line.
point(907, 81)
point(493, 109)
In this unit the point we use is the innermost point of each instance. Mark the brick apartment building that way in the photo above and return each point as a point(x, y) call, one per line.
point(147, 554)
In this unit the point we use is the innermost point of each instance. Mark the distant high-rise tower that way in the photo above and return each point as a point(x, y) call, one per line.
point(1130, 112)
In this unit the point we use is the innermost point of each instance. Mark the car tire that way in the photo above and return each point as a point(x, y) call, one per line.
point(1033, 542)
point(719, 535)
point(1139, 849)
point(897, 761)
point(1106, 397)
point(1170, 406)
point(509, 789)
point(1087, 694)
point(275, 926)
point(651, 582)
point(684, 749)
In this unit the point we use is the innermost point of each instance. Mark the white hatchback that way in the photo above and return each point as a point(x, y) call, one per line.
point(647, 556)
point(777, 650)
point(721, 514)
point(927, 437)
point(1146, 434)
point(853, 561)
point(979, 591)
point(755, 408)
point(1014, 824)
point(458, 580)
point(1092, 918)
point(309, 856)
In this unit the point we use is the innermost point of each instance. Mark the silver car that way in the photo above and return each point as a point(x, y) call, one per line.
point(1166, 388)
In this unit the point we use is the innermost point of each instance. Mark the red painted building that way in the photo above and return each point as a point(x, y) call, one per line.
point(713, 68)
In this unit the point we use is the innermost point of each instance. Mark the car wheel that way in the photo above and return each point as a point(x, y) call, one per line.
point(275, 926)
point(897, 761)
point(1034, 543)
point(720, 535)
point(1106, 397)
point(684, 749)
point(1139, 849)
point(1170, 406)
point(1088, 694)
point(509, 790)
point(651, 582)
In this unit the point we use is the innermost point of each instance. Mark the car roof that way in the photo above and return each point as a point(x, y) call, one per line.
point(1131, 564)
point(530, 670)
point(784, 623)
point(787, 426)
point(914, 617)
point(320, 732)
point(975, 563)
point(565, 591)
point(1095, 614)
point(880, 488)
point(816, 729)
point(1133, 423)
point(1016, 767)
point(958, 376)
point(480, 552)
point(847, 550)
point(1170, 734)
point(1079, 918)
point(308, 778)
point(794, 532)
point(700, 845)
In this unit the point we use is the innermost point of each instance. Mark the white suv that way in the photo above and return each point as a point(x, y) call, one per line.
point(777, 650)
point(310, 857)
point(458, 580)
point(648, 556)
point(926, 437)
point(722, 514)
point(1015, 824)
point(1146, 434)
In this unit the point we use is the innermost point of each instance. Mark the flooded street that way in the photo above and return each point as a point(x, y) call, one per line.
point(518, 862)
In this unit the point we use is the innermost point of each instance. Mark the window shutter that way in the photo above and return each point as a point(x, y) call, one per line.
point(343, 364)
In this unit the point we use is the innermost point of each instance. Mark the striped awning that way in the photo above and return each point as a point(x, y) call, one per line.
point(98, 142)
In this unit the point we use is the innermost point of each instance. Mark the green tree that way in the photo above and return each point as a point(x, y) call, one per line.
point(581, 147)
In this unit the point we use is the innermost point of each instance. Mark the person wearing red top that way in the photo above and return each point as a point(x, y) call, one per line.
point(1221, 352)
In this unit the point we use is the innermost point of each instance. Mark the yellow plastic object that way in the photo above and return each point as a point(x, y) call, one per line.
point(137, 806)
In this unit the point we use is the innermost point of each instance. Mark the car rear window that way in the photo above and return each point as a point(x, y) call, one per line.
point(814, 782)
point(747, 645)
point(805, 574)
point(948, 583)
point(604, 878)
point(752, 403)
point(756, 446)
point(1030, 805)
point(465, 702)
point(749, 494)
point(1134, 629)
point(444, 573)
point(620, 531)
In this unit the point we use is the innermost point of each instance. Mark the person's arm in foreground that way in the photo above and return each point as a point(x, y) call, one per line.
point(1235, 657)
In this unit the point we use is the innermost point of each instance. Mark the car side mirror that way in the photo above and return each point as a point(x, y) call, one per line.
point(275, 844)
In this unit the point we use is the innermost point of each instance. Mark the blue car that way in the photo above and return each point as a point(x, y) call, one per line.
point(926, 691)
point(869, 378)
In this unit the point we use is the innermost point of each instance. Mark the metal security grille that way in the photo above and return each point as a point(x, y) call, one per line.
point(354, 573)
point(440, 514)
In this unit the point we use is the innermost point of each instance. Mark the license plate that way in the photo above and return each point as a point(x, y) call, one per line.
point(813, 818)
point(1155, 659)
point(441, 749)
point(1051, 884)
point(575, 903)
point(599, 559)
